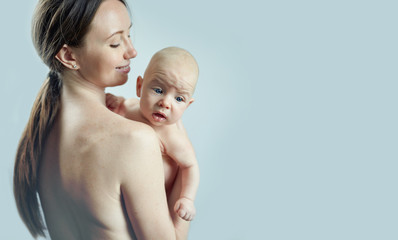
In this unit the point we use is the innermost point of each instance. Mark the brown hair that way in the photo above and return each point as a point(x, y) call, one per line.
point(55, 23)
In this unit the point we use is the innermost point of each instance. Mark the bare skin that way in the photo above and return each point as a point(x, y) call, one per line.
point(165, 93)
point(86, 172)
point(101, 175)
point(172, 138)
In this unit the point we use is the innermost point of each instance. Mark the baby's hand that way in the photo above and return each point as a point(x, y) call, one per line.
point(185, 208)
point(114, 103)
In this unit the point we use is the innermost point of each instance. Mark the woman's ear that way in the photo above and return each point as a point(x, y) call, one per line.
point(140, 81)
point(67, 57)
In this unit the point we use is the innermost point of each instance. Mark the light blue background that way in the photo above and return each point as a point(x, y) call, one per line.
point(295, 119)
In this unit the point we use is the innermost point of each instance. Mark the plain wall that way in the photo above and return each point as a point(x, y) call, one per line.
point(295, 118)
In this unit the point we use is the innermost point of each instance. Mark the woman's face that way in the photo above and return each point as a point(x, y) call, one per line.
point(104, 60)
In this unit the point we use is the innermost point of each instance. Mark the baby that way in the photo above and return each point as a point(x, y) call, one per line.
point(165, 92)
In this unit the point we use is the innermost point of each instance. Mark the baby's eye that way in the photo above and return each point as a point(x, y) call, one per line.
point(179, 99)
point(158, 90)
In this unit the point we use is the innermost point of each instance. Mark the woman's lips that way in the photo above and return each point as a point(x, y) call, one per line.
point(158, 117)
point(124, 69)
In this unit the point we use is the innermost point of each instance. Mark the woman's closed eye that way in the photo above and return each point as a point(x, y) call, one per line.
point(114, 45)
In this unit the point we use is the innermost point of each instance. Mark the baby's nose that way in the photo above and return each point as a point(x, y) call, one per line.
point(165, 103)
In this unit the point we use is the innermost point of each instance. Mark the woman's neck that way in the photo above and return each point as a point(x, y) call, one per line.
point(77, 88)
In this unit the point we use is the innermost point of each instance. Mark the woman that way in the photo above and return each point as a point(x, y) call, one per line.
point(98, 175)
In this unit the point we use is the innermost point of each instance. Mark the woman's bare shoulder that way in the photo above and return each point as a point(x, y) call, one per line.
point(112, 137)
point(123, 145)
point(128, 135)
point(134, 148)
point(121, 125)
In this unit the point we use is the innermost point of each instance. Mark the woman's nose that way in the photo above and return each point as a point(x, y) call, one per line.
point(130, 51)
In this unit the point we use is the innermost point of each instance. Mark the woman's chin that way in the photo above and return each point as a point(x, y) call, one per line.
point(118, 82)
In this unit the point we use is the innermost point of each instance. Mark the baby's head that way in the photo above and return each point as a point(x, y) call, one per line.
point(168, 85)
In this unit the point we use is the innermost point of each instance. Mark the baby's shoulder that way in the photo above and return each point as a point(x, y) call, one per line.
point(133, 112)
point(169, 132)
point(173, 138)
point(132, 102)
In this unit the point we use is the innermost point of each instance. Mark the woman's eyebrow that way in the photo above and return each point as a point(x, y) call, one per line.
point(118, 32)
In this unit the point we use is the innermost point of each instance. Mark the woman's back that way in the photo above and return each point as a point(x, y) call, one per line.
point(79, 184)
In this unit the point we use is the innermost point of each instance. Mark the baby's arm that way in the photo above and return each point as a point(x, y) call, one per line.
point(123, 107)
point(180, 149)
point(116, 104)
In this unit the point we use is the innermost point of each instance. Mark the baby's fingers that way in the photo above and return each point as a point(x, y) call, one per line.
point(186, 215)
point(110, 100)
point(177, 206)
point(182, 213)
point(191, 217)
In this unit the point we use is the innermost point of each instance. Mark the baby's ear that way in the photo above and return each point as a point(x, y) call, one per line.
point(140, 81)
point(190, 102)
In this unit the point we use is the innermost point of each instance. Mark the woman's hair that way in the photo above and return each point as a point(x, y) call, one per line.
point(55, 23)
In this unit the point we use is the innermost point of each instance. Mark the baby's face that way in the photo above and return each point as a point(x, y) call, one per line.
point(166, 92)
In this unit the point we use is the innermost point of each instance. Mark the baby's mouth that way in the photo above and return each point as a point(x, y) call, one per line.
point(159, 117)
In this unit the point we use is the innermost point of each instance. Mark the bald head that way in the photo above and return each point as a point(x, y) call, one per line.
point(175, 59)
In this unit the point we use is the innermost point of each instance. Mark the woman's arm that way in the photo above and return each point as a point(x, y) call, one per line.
point(142, 188)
